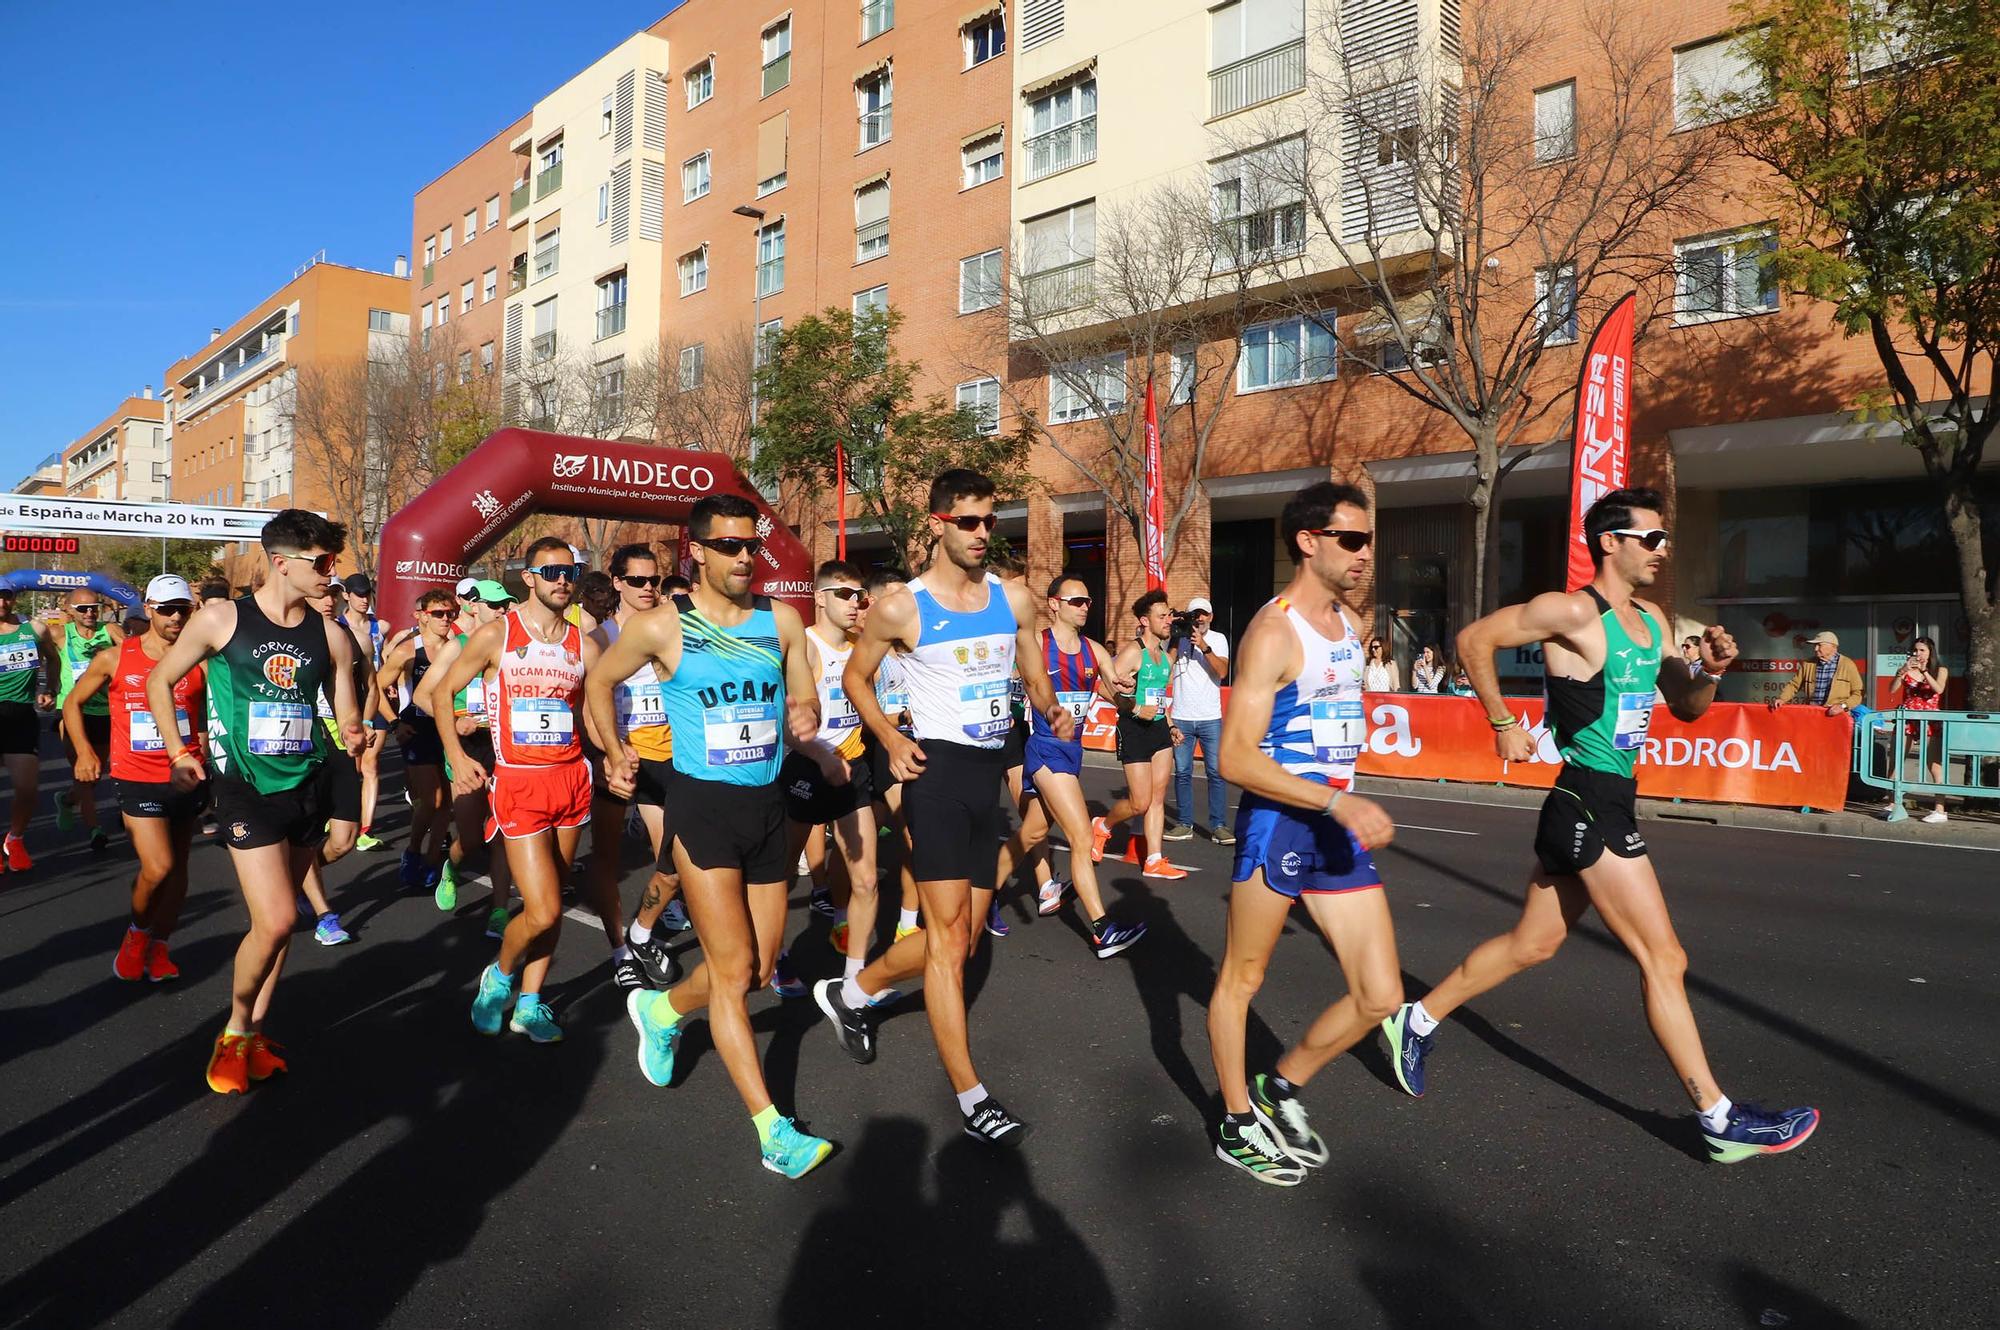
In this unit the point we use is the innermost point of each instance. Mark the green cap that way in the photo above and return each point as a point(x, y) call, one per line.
point(492, 592)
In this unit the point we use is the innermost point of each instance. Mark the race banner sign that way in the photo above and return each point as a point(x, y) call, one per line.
point(110, 517)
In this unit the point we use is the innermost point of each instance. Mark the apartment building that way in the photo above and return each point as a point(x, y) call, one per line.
point(124, 456)
point(46, 478)
point(459, 231)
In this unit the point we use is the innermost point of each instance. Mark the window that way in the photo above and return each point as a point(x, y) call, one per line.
point(1041, 22)
point(1184, 369)
point(1289, 351)
point(548, 253)
point(771, 258)
point(380, 320)
point(691, 366)
point(1706, 75)
point(872, 302)
point(874, 96)
point(1259, 199)
point(543, 347)
point(1555, 122)
point(603, 202)
point(1555, 303)
point(985, 37)
point(1257, 49)
point(486, 357)
point(772, 146)
point(1079, 388)
point(444, 242)
point(1058, 257)
point(1245, 28)
point(982, 397)
point(489, 285)
point(871, 221)
point(611, 305)
point(1719, 277)
point(430, 250)
point(777, 55)
point(1062, 128)
point(694, 178)
point(465, 367)
point(611, 395)
point(694, 271)
point(548, 179)
point(981, 159)
point(700, 83)
point(465, 297)
point(444, 310)
point(877, 17)
point(768, 333)
point(979, 279)
point(471, 225)
point(604, 116)
point(493, 211)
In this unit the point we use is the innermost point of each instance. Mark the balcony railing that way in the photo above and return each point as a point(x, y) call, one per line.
point(770, 276)
point(517, 276)
point(778, 73)
point(235, 370)
point(871, 241)
point(430, 272)
point(1058, 289)
point(1257, 78)
point(547, 261)
point(518, 200)
point(1259, 237)
point(877, 17)
point(611, 320)
point(548, 181)
point(876, 126)
point(1059, 149)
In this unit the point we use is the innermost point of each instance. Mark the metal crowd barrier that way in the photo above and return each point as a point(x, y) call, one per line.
point(1965, 744)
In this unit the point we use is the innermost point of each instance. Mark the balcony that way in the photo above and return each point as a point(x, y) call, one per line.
point(549, 181)
point(1058, 289)
point(871, 241)
point(1260, 237)
point(876, 126)
point(771, 276)
point(517, 276)
point(233, 371)
point(1073, 144)
point(877, 17)
point(778, 73)
point(1258, 78)
point(610, 320)
point(547, 261)
point(430, 273)
point(518, 200)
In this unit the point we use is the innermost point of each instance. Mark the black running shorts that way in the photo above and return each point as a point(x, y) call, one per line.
point(881, 777)
point(723, 826)
point(20, 728)
point(953, 813)
point(812, 800)
point(649, 788)
point(251, 818)
point(1017, 742)
point(1587, 813)
point(97, 729)
point(340, 784)
point(1138, 740)
point(155, 799)
point(423, 748)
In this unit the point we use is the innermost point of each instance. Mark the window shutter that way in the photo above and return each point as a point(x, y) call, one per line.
point(1373, 30)
point(512, 356)
point(621, 202)
point(652, 199)
point(621, 113)
point(1041, 22)
point(871, 203)
point(654, 134)
point(771, 139)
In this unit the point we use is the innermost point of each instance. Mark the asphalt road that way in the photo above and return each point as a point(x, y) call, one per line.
point(409, 1173)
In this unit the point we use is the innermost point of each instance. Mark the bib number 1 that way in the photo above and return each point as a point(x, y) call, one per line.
point(1338, 731)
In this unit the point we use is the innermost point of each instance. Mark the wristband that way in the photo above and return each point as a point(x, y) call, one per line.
point(185, 752)
point(1507, 724)
point(1328, 810)
point(1712, 678)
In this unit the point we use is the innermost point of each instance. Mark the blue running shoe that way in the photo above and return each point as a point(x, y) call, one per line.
point(791, 1152)
point(1407, 1050)
point(433, 874)
point(657, 1043)
point(533, 1018)
point(783, 982)
point(328, 932)
point(1756, 1131)
point(821, 903)
point(996, 923)
point(675, 917)
point(410, 872)
point(1109, 937)
point(496, 990)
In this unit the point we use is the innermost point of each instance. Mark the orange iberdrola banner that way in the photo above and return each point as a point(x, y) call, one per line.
point(1601, 449)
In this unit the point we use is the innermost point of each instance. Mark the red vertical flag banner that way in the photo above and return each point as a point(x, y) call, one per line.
point(840, 500)
point(1601, 454)
point(1156, 507)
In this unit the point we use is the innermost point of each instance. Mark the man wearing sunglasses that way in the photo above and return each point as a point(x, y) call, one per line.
point(539, 786)
point(1602, 658)
point(82, 639)
point(1146, 738)
point(273, 655)
point(471, 721)
point(732, 667)
point(892, 694)
point(358, 595)
point(959, 633)
point(403, 669)
point(28, 667)
point(159, 818)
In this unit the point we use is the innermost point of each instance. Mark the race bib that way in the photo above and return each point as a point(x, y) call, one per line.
point(541, 722)
point(146, 732)
point(18, 656)
point(1635, 716)
point(983, 712)
point(1152, 697)
point(280, 729)
point(840, 713)
point(475, 699)
point(744, 733)
point(1076, 703)
point(641, 705)
point(1338, 730)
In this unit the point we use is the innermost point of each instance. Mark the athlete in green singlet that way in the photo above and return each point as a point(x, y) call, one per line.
point(28, 665)
point(82, 638)
point(1146, 736)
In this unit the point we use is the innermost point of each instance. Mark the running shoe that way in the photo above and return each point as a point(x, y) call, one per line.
point(1756, 1131)
point(1157, 866)
point(850, 1027)
point(837, 935)
point(1935, 816)
point(228, 1065)
point(328, 932)
point(446, 895)
point(996, 923)
point(1178, 831)
point(656, 1043)
point(907, 930)
point(497, 920)
point(1109, 937)
point(1408, 1049)
point(674, 918)
point(1049, 896)
point(17, 855)
point(822, 901)
point(661, 969)
point(130, 962)
point(791, 1152)
point(627, 974)
point(99, 842)
point(160, 967)
point(264, 1058)
point(1285, 1118)
point(994, 1125)
point(367, 842)
point(65, 813)
point(1100, 835)
point(533, 1018)
point(783, 982)
point(490, 1003)
point(433, 875)
point(1222, 836)
point(1253, 1149)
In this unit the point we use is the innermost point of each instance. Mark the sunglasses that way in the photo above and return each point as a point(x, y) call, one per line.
point(729, 547)
point(89, 607)
point(967, 521)
point(642, 583)
point(1075, 602)
point(554, 572)
point(321, 563)
point(173, 609)
point(441, 614)
point(1352, 541)
point(847, 593)
point(1651, 540)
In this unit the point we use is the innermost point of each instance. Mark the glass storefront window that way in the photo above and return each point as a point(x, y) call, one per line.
point(1884, 538)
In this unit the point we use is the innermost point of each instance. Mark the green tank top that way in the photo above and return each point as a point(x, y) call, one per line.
point(1150, 689)
point(76, 651)
point(261, 699)
point(1601, 722)
point(20, 658)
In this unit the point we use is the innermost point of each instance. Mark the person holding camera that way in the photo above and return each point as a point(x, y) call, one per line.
point(1919, 686)
point(1201, 667)
point(1146, 736)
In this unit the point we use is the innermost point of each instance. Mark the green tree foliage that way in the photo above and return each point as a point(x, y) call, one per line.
point(136, 560)
point(834, 378)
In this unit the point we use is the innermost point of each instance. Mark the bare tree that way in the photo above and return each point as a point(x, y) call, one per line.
point(339, 451)
point(695, 393)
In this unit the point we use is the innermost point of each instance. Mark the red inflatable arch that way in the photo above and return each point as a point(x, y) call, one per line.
point(517, 472)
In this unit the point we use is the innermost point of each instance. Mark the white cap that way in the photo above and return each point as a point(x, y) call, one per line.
point(575, 555)
point(466, 586)
point(1200, 605)
point(166, 588)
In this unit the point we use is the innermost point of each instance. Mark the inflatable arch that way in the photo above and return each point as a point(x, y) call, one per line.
point(518, 472)
point(49, 579)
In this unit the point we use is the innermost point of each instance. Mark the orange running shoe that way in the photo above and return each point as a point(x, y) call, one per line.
point(1157, 866)
point(265, 1056)
point(130, 963)
point(17, 855)
point(159, 966)
point(228, 1065)
point(1100, 835)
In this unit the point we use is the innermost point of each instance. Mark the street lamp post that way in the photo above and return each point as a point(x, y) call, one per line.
point(756, 215)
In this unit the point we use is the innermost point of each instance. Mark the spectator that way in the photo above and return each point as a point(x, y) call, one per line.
point(1428, 673)
point(1379, 675)
point(214, 588)
point(1691, 655)
point(1828, 680)
point(1201, 667)
point(1461, 682)
point(1919, 686)
point(598, 594)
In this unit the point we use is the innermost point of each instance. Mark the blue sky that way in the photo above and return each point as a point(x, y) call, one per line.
point(173, 164)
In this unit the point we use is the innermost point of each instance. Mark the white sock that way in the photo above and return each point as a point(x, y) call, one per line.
point(906, 919)
point(970, 1099)
point(852, 969)
point(620, 954)
point(851, 992)
point(1716, 1116)
point(1420, 1020)
point(638, 933)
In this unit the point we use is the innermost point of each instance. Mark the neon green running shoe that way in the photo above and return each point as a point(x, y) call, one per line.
point(791, 1153)
point(65, 814)
point(367, 842)
point(446, 895)
point(497, 920)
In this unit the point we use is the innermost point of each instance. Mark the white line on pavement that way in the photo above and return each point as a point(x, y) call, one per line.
point(1449, 831)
